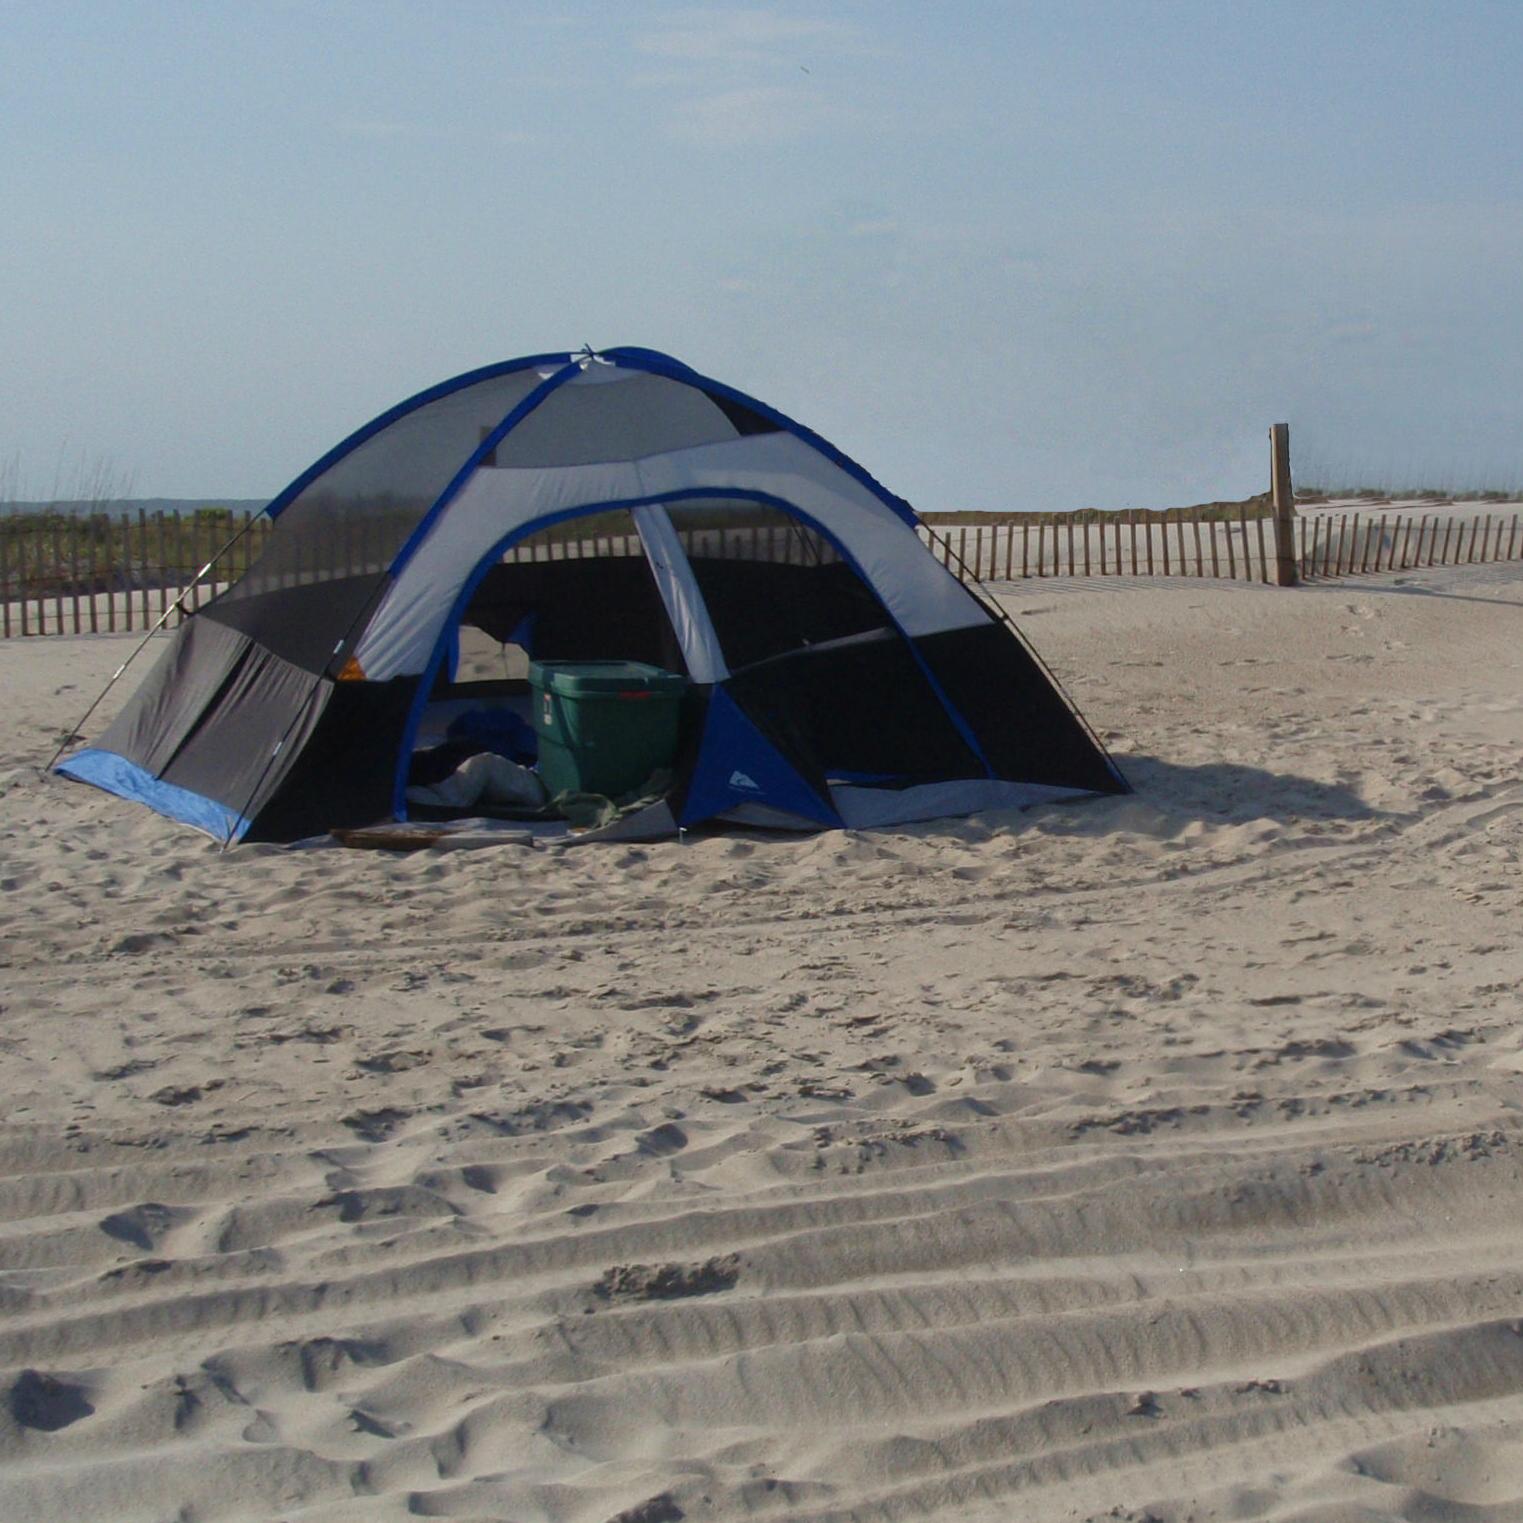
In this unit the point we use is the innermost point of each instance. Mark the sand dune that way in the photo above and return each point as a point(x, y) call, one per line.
point(1152, 1158)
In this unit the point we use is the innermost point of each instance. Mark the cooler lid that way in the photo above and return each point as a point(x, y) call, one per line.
point(577, 679)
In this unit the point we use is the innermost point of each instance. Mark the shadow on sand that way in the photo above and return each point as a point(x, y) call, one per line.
point(1230, 791)
point(1412, 590)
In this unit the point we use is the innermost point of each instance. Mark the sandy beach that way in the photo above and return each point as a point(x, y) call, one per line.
point(1154, 1158)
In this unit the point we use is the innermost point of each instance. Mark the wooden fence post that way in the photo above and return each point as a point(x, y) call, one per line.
point(74, 570)
point(22, 591)
point(57, 573)
point(1284, 500)
point(91, 538)
point(142, 566)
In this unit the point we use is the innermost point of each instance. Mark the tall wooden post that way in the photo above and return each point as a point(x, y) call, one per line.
point(1284, 504)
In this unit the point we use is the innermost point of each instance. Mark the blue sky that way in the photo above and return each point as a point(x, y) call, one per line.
point(1007, 255)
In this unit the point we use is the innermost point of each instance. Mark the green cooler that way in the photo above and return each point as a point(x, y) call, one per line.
point(604, 726)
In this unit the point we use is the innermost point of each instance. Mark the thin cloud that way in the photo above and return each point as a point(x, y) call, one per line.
point(742, 37)
point(754, 117)
point(747, 77)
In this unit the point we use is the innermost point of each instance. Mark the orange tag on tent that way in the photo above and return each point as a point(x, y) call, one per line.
point(351, 671)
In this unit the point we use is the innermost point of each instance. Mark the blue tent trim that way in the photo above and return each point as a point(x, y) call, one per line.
point(105, 769)
point(738, 765)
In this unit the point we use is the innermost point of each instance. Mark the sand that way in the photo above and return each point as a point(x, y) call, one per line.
point(1150, 1158)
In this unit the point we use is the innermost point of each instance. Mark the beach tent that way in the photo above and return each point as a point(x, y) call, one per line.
point(839, 674)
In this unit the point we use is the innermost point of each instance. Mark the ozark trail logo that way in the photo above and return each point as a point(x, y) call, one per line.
point(739, 780)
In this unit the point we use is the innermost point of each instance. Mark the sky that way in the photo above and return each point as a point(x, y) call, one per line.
point(1022, 256)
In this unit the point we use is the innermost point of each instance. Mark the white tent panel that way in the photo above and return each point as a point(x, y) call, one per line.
point(679, 592)
point(492, 505)
point(921, 595)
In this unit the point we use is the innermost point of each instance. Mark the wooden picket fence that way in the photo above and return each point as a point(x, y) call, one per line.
point(102, 575)
point(1231, 549)
point(1356, 544)
point(1119, 544)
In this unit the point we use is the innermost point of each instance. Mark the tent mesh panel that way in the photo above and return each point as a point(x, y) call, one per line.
point(619, 416)
point(580, 591)
point(772, 584)
point(351, 520)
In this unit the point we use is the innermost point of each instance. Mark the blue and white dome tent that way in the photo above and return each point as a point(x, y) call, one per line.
point(839, 674)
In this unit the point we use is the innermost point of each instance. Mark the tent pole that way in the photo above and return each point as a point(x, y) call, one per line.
point(71, 735)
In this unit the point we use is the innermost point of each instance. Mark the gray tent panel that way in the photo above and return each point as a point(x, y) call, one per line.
point(251, 734)
point(177, 693)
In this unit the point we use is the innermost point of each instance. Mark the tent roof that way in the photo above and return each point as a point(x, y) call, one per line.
point(556, 370)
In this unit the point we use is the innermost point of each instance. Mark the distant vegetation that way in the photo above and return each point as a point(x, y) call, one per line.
point(44, 552)
point(41, 517)
point(119, 507)
point(1409, 494)
point(1251, 507)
